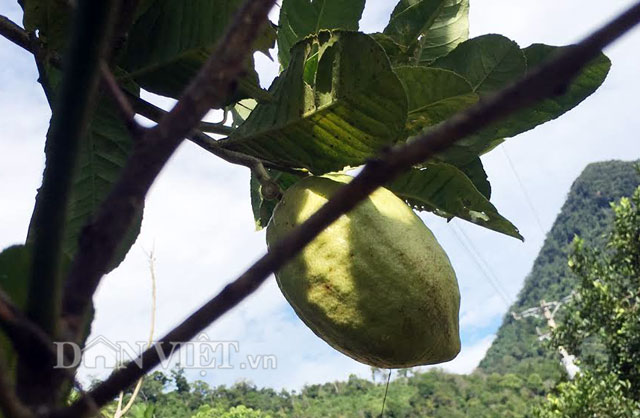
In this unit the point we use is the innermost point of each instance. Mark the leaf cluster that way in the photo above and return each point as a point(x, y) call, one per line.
point(343, 97)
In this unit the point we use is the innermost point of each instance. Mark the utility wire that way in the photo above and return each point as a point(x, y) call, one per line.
point(475, 256)
point(523, 189)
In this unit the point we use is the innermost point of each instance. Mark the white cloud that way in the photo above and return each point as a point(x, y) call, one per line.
point(469, 357)
point(480, 315)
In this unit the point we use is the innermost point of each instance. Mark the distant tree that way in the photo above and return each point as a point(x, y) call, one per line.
point(605, 314)
point(179, 379)
point(206, 411)
point(153, 386)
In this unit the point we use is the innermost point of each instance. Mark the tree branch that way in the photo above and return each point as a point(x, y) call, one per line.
point(121, 101)
point(99, 240)
point(68, 124)
point(10, 405)
point(543, 82)
point(154, 113)
point(32, 344)
point(14, 33)
point(216, 128)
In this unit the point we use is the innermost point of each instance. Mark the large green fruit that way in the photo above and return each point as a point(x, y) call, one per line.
point(375, 285)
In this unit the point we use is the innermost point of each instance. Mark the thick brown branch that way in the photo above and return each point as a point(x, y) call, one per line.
point(14, 33)
point(209, 89)
point(31, 343)
point(544, 82)
point(10, 405)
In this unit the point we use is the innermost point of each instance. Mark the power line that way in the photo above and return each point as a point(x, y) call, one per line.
point(523, 189)
point(495, 284)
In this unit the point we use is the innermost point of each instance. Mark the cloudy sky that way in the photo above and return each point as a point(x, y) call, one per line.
point(198, 216)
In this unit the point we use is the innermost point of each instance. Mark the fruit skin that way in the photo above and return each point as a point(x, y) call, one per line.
point(375, 285)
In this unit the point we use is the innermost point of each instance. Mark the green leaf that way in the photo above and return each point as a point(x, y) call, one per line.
point(398, 54)
point(241, 110)
point(103, 153)
point(433, 95)
point(449, 28)
point(171, 41)
point(262, 208)
point(445, 190)
point(412, 18)
point(587, 82)
point(488, 62)
point(475, 171)
point(51, 18)
point(15, 265)
point(300, 18)
point(336, 105)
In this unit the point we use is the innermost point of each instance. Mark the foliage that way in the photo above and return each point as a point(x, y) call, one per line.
point(344, 96)
point(411, 394)
point(590, 395)
point(586, 213)
point(605, 313)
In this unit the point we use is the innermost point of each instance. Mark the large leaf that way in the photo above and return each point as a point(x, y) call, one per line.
point(300, 18)
point(488, 62)
point(15, 265)
point(449, 28)
point(445, 190)
point(103, 152)
point(263, 208)
point(433, 95)
point(412, 18)
point(103, 149)
point(171, 41)
point(588, 81)
point(337, 104)
point(420, 31)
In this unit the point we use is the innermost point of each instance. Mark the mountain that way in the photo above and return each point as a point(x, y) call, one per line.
point(586, 213)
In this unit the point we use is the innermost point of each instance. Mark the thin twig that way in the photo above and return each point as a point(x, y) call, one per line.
point(386, 391)
point(122, 103)
point(216, 128)
point(204, 141)
point(88, 44)
point(269, 188)
point(543, 82)
point(120, 411)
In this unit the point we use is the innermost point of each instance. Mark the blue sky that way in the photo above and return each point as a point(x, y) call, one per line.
point(198, 217)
